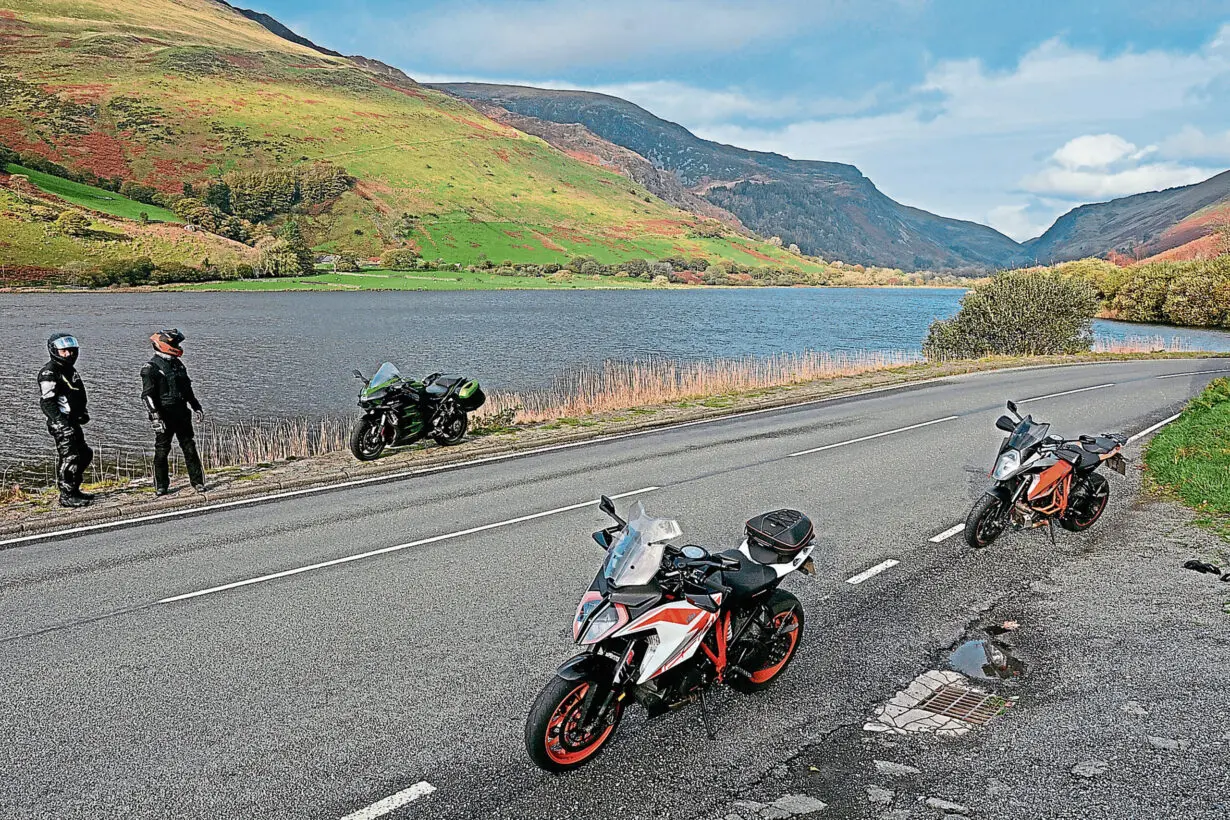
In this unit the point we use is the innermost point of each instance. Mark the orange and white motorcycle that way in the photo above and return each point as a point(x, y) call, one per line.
point(1041, 479)
point(661, 623)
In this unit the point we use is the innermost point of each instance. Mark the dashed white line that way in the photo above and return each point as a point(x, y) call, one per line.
point(396, 548)
point(869, 438)
point(1192, 373)
point(948, 533)
point(1157, 426)
point(873, 572)
point(393, 802)
point(1066, 392)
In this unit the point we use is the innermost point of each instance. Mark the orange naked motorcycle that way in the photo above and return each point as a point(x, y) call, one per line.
point(1042, 479)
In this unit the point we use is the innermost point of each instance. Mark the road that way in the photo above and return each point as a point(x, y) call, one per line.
point(408, 626)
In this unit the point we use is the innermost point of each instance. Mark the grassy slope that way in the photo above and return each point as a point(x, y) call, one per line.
point(165, 92)
point(1191, 457)
point(94, 199)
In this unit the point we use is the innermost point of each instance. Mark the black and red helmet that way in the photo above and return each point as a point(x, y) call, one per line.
point(168, 342)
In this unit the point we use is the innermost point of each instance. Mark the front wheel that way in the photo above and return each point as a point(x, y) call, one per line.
point(554, 735)
point(367, 439)
point(452, 430)
point(1088, 504)
point(986, 522)
point(786, 625)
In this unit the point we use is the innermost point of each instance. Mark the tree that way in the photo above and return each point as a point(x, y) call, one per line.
point(1018, 313)
point(400, 259)
point(346, 262)
point(73, 223)
point(293, 237)
point(1142, 295)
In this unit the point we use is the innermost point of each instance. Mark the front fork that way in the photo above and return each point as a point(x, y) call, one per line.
point(598, 703)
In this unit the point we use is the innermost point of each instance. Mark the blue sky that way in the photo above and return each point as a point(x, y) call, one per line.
point(1008, 113)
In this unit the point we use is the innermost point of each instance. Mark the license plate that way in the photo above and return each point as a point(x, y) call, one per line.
point(1118, 464)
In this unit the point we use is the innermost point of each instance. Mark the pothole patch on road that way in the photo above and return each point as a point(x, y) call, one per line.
point(938, 701)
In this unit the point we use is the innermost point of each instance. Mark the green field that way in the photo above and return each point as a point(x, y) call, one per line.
point(95, 199)
point(420, 280)
point(1191, 457)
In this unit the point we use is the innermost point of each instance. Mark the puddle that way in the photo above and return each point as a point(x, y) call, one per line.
point(986, 660)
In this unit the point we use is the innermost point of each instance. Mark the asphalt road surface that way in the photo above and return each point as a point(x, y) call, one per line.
point(336, 684)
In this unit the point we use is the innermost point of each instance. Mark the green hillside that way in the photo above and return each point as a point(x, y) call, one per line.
point(95, 199)
point(168, 92)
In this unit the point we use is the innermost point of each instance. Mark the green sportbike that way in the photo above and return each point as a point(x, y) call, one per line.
point(398, 411)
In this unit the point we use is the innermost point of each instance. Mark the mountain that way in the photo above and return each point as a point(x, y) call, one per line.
point(1135, 226)
point(827, 208)
point(168, 93)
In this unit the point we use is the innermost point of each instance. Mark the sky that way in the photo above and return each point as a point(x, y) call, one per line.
point(1006, 112)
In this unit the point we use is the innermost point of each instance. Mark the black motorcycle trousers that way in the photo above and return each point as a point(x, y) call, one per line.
point(73, 456)
point(177, 424)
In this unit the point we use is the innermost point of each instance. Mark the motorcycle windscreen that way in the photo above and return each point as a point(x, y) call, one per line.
point(1028, 434)
point(386, 375)
point(635, 558)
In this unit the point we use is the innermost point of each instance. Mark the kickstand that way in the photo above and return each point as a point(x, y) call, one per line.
point(1050, 528)
point(706, 717)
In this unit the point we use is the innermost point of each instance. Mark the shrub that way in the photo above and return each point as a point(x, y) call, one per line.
point(1018, 313)
point(592, 268)
point(1142, 296)
point(346, 262)
point(73, 223)
point(1197, 299)
point(129, 272)
point(400, 259)
point(137, 191)
point(661, 281)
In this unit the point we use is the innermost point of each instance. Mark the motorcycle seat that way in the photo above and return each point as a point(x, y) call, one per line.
point(1098, 445)
point(750, 579)
point(441, 384)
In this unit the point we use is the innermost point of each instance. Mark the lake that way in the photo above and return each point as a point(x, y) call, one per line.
point(285, 354)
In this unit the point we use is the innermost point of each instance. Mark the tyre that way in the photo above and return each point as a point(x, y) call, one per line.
point(554, 737)
point(1088, 504)
point(986, 522)
point(366, 439)
point(453, 429)
point(784, 609)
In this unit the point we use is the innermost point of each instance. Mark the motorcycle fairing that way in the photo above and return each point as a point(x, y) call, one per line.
point(679, 628)
point(782, 568)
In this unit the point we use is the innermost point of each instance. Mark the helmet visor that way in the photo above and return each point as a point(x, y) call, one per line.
point(65, 343)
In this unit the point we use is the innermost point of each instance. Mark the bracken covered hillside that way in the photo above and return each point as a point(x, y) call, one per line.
point(168, 92)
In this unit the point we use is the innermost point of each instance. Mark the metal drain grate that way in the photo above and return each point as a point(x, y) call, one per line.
point(963, 704)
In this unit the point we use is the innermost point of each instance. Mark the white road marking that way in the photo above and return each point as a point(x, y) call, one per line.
point(1191, 373)
point(396, 548)
point(393, 802)
point(1157, 426)
point(1066, 393)
point(873, 572)
point(948, 533)
point(869, 438)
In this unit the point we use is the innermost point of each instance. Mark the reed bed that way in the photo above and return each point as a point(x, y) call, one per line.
point(1142, 344)
point(617, 386)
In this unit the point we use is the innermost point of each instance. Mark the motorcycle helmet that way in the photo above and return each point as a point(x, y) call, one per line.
point(168, 341)
point(63, 348)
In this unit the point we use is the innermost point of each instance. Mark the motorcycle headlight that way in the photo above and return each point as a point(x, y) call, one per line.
point(1008, 464)
point(610, 619)
point(586, 608)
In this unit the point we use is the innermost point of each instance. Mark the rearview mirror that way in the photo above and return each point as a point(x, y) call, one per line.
point(1012, 408)
point(1005, 423)
point(359, 376)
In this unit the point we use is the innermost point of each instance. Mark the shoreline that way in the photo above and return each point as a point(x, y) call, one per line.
point(23, 514)
point(195, 288)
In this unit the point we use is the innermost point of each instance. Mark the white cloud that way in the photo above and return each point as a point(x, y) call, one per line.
point(1095, 184)
point(1018, 221)
point(1097, 151)
point(1193, 143)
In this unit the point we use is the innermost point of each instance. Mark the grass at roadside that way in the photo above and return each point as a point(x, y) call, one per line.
point(95, 199)
point(1191, 457)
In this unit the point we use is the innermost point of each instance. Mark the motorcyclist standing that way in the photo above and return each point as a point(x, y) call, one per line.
point(167, 394)
point(63, 401)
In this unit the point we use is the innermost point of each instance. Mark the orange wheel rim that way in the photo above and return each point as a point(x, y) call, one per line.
point(782, 650)
point(565, 741)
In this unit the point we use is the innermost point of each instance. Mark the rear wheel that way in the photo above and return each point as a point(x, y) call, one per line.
point(366, 439)
point(986, 522)
point(1088, 504)
point(554, 736)
point(452, 429)
point(786, 625)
